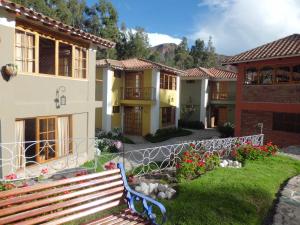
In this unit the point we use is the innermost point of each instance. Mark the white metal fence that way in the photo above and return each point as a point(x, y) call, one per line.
point(28, 159)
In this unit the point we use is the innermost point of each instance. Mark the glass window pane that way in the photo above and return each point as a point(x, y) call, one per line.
point(296, 73)
point(282, 75)
point(51, 124)
point(65, 60)
point(251, 76)
point(266, 75)
point(46, 56)
point(43, 125)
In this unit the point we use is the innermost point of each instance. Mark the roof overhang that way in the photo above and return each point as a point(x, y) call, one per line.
point(30, 15)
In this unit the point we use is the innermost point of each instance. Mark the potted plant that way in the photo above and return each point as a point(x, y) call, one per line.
point(10, 70)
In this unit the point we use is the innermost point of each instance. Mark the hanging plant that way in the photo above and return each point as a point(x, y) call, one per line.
point(10, 70)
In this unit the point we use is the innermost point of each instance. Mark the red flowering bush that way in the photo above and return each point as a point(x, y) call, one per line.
point(253, 152)
point(190, 165)
point(212, 160)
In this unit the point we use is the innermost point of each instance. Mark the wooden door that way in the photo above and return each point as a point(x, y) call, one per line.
point(133, 120)
point(133, 85)
point(222, 115)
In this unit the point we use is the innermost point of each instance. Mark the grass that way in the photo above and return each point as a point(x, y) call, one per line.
point(231, 196)
point(167, 133)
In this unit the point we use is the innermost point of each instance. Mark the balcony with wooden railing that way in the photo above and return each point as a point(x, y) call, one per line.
point(221, 96)
point(145, 93)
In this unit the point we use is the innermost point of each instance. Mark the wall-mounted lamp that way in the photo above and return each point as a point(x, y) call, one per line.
point(60, 99)
point(260, 126)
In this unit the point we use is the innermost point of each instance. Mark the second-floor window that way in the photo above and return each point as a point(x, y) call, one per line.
point(284, 74)
point(43, 54)
point(168, 81)
point(25, 51)
point(80, 63)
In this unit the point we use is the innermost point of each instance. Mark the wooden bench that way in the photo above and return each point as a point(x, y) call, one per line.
point(67, 200)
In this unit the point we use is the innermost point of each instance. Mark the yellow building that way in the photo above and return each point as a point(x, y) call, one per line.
point(139, 96)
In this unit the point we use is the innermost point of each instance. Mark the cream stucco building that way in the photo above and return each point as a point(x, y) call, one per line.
point(52, 97)
point(139, 96)
point(208, 95)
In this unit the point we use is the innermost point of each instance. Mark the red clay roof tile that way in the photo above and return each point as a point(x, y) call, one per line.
point(285, 47)
point(27, 13)
point(213, 73)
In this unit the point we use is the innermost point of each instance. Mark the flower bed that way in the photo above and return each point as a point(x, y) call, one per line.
point(195, 162)
point(253, 152)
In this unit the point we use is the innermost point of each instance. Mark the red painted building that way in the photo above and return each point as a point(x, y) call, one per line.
point(268, 91)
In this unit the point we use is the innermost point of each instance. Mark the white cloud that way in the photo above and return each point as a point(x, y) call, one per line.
point(238, 25)
point(157, 38)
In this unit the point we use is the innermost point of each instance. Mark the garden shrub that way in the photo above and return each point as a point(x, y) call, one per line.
point(167, 133)
point(226, 130)
point(190, 166)
point(195, 162)
point(195, 124)
point(253, 152)
point(111, 141)
point(115, 134)
point(212, 161)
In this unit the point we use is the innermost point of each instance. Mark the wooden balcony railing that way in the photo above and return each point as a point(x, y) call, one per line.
point(145, 93)
point(217, 96)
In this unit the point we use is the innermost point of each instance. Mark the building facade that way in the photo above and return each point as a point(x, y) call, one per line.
point(51, 100)
point(208, 95)
point(139, 96)
point(268, 91)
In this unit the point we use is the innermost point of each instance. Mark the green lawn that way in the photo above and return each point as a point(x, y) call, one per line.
point(232, 196)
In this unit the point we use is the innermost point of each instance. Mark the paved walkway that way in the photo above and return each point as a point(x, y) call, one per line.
point(141, 143)
point(288, 207)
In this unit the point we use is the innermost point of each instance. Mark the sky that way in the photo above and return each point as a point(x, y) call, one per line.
point(234, 25)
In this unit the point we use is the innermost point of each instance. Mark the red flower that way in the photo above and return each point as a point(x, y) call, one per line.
point(178, 165)
point(233, 153)
point(192, 145)
point(110, 166)
point(11, 176)
point(186, 153)
point(189, 161)
point(201, 163)
point(44, 171)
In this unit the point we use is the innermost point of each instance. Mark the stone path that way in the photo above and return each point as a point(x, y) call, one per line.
point(288, 207)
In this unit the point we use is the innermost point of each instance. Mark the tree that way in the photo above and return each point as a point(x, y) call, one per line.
point(102, 20)
point(211, 56)
point(183, 59)
point(133, 44)
point(198, 53)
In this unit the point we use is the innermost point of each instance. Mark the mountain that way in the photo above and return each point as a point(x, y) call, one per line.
point(164, 53)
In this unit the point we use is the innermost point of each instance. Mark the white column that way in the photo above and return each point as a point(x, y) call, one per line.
point(204, 101)
point(177, 100)
point(107, 96)
point(154, 124)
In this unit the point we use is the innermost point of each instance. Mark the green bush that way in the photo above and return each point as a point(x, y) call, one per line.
point(166, 133)
point(195, 124)
point(226, 130)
